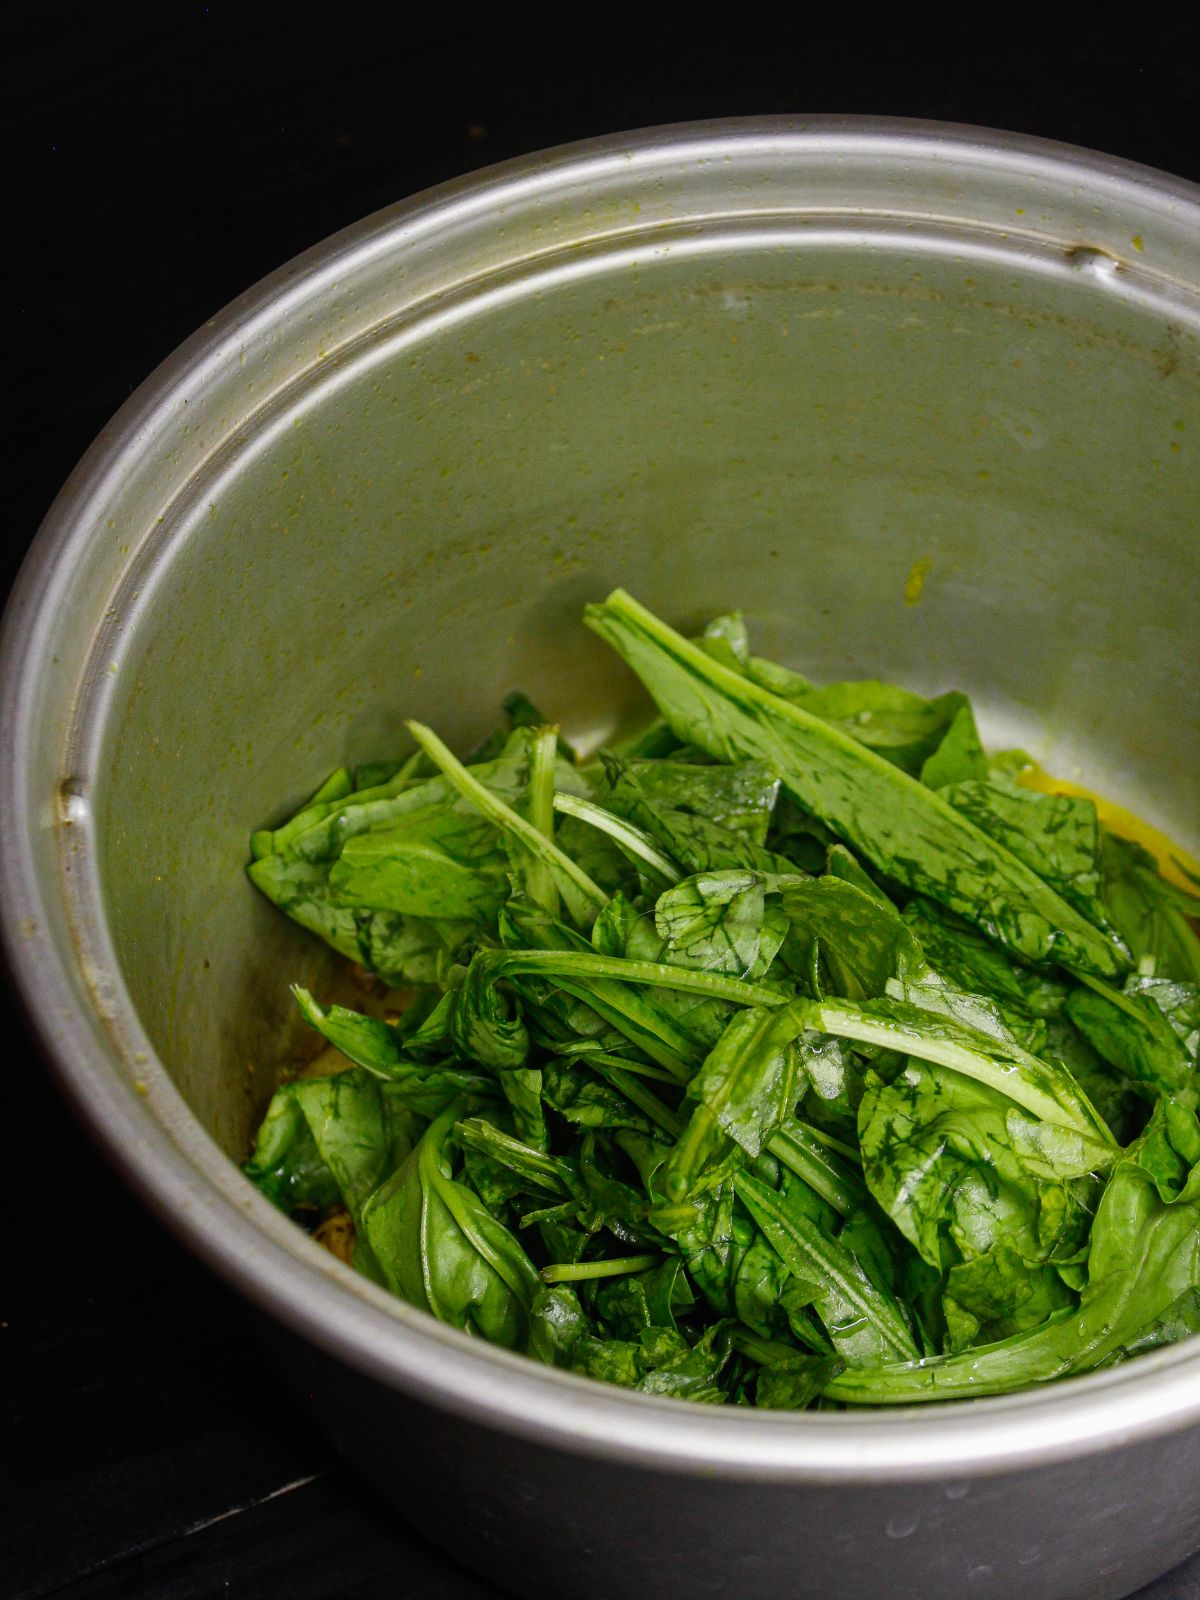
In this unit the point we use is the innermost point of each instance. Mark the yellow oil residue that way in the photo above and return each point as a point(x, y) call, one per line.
point(325, 1065)
point(1117, 819)
point(914, 584)
point(1138, 243)
point(336, 1233)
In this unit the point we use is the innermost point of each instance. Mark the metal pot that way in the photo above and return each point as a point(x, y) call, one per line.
point(923, 401)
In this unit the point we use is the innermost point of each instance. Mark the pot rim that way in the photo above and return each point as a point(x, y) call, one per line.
point(163, 1151)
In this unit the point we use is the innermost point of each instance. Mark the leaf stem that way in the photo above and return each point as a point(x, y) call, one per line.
point(763, 1351)
point(800, 1153)
point(1113, 996)
point(637, 1093)
point(581, 964)
point(503, 816)
point(543, 753)
point(578, 1051)
point(574, 1271)
point(633, 839)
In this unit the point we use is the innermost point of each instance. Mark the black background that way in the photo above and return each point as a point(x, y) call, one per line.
point(159, 158)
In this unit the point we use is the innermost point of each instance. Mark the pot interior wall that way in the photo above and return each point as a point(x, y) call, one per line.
point(793, 425)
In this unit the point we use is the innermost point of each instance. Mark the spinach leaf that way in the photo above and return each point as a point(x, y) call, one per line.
point(1057, 835)
point(537, 1171)
point(740, 797)
point(406, 950)
point(1149, 1031)
point(903, 828)
point(635, 1015)
point(635, 844)
point(968, 961)
point(379, 1048)
point(452, 868)
point(861, 941)
point(679, 1372)
point(828, 1174)
point(904, 728)
point(582, 897)
point(998, 1294)
point(960, 755)
point(361, 1129)
point(720, 922)
point(981, 1193)
point(1156, 920)
point(311, 832)
point(367, 1041)
point(1105, 1087)
point(399, 875)
point(1143, 1269)
point(933, 739)
point(1045, 1089)
point(658, 1362)
point(696, 816)
point(712, 1239)
point(744, 1090)
point(557, 1323)
point(393, 860)
point(636, 1301)
point(758, 1290)
point(864, 1323)
point(285, 1163)
point(585, 1100)
point(484, 1024)
point(602, 977)
point(301, 889)
point(699, 1013)
point(439, 1248)
point(793, 1382)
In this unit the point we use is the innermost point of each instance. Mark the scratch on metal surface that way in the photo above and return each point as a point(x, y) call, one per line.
point(249, 1505)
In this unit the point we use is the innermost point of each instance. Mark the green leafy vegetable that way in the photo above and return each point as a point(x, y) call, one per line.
point(1045, 1089)
point(863, 1321)
point(720, 922)
point(785, 1054)
point(1143, 1271)
point(744, 1090)
point(1156, 919)
point(905, 829)
point(1149, 1030)
point(1057, 835)
point(286, 1163)
point(440, 1249)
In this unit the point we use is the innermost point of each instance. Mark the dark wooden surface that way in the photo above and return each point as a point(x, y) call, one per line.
point(160, 157)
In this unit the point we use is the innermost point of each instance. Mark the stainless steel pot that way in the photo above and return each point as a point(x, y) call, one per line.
point(796, 366)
